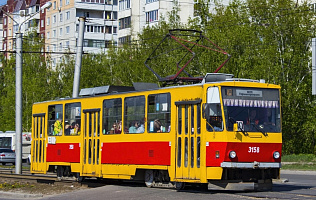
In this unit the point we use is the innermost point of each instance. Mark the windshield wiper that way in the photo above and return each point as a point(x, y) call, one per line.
point(259, 129)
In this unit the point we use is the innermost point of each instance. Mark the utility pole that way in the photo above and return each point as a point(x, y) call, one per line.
point(18, 103)
point(75, 91)
point(313, 66)
point(18, 90)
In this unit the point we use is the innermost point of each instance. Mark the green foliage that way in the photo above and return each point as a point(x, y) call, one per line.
point(268, 40)
point(299, 158)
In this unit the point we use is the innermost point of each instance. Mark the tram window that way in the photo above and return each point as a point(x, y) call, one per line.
point(158, 113)
point(55, 120)
point(72, 119)
point(112, 116)
point(215, 121)
point(186, 153)
point(198, 118)
point(192, 152)
point(186, 120)
point(198, 151)
point(192, 119)
point(134, 114)
point(179, 152)
point(179, 119)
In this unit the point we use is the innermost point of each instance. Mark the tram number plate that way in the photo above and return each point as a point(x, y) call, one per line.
point(253, 150)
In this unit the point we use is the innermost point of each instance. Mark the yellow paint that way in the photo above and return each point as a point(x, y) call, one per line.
point(214, 173)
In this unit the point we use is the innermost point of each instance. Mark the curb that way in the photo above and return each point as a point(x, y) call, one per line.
point(19, 195)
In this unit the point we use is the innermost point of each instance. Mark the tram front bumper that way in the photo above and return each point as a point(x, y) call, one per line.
point(251, 165)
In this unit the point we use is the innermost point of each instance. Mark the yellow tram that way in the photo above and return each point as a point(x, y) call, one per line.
point(224, 132)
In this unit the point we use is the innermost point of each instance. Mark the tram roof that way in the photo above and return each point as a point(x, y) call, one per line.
point(141, 86)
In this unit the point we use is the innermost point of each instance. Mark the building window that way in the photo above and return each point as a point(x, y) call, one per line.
point(60, 31)
point(42, 23)
point(125, 39)
point(47, 35)
point(108, 29)
point(114, 29)
point(108, 15)
point(67, 15)
point(67, 2)
point(94, 43)
point(47, 48)
point(67, 29)
point(124, 4)
point(60, 17)
point(150, 1)
point(4, 33)
point(5, 21)
point(60, 46)
point(54, 33)
point(86, 14)
point(60, 3)
point(54, 19)
point(152, 16)
point(48, 21)
point(125, 22)
point(54, 5)
point(67, 44)
point(10, 33)
point(54, 47)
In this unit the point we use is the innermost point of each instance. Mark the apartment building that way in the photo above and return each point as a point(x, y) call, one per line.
point(108, 22)
point(62, 25)
point(135, 15)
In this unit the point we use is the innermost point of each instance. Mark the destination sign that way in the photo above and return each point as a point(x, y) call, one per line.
point(248, 93)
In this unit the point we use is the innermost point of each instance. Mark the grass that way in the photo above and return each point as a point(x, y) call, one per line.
point(299, 162)
point(7, 186)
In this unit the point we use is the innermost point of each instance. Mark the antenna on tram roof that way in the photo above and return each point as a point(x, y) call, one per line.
point(177, 48)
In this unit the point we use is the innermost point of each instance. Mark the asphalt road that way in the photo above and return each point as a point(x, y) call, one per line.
point(293, 185)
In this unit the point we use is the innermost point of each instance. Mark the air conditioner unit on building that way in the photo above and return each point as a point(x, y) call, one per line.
point(22, 13)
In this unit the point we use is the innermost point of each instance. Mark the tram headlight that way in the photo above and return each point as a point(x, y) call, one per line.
point(232, 154)
point(276, 155)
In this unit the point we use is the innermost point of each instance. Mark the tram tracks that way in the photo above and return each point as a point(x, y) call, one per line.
point(26, 176)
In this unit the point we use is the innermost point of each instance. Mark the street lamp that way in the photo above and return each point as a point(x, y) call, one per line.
point(18, 90)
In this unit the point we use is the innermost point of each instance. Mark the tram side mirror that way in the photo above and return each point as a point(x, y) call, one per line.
point(238, 126)
point(206, 110)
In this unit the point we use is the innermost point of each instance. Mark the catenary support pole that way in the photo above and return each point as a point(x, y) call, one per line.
point(18, 104)
point(313, 66)
point(75, 91)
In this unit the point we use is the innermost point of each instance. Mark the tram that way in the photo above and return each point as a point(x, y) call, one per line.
point(223, 131)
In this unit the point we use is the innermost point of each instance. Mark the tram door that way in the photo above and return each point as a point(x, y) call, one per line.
point(188, 140)
point(38, 162)
point(91, 161)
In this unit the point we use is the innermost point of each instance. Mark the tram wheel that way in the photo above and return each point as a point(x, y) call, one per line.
point(179, 185)
point(149, 178)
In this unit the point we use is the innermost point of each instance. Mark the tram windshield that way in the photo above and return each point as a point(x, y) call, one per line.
point(253, 109)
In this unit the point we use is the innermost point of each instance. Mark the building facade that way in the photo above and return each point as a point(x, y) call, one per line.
point(108, 22)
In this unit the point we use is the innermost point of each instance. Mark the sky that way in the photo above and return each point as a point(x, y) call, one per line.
point(2, 2)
